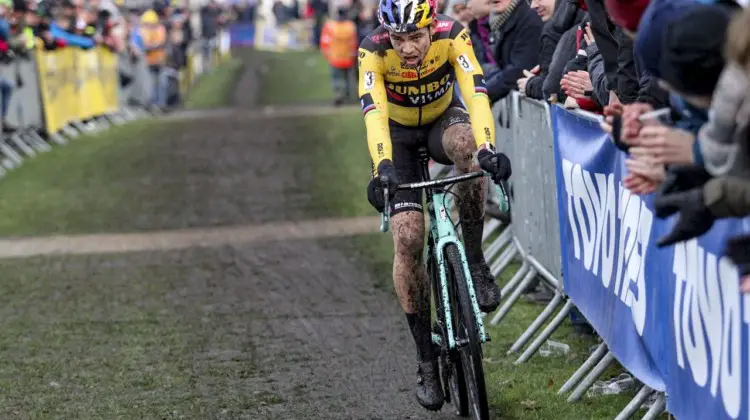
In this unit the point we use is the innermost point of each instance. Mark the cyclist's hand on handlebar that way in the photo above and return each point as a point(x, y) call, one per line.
point(495, 163)
point(375, 187)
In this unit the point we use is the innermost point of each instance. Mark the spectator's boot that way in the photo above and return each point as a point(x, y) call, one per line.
point(488, 292)
point(429, 389)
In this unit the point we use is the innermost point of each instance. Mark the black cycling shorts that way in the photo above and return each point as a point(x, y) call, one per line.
point(406, 142)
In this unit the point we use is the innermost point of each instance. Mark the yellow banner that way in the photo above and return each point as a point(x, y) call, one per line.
point(76, 85)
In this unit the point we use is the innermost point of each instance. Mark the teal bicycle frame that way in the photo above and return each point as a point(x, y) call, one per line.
point(442, 233)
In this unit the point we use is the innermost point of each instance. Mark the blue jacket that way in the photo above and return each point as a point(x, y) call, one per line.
point(70, 39)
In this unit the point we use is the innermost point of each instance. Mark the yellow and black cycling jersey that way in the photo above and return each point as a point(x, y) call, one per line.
point(392, 94)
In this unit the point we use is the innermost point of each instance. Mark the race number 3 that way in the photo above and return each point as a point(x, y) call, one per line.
point(369, 80)
point(465, 64)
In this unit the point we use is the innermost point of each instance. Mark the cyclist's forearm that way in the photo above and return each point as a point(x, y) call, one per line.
point(475, 95)
point(481, 119)
point(378, 138)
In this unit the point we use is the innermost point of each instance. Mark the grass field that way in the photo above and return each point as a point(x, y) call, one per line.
point(83, 186)
point(215, 89)
point(294, 77)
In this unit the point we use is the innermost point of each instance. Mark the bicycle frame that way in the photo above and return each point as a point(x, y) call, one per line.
point(442, 233)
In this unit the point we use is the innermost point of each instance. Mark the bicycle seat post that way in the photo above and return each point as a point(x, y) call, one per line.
point(424, 161)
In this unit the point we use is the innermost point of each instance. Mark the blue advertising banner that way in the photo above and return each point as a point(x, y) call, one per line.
point(242, 34)
point(674, 317)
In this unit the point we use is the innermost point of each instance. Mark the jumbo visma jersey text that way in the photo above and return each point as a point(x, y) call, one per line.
point(394, 95)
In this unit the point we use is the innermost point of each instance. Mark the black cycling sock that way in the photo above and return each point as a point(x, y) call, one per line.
point(472, 233)
point(419, 323)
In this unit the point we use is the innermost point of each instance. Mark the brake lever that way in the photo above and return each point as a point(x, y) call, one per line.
point(385, 217)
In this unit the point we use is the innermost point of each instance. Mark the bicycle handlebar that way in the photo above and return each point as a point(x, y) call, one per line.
point(386, 216)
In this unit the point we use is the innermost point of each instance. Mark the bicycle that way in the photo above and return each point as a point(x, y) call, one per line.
point(458, 329)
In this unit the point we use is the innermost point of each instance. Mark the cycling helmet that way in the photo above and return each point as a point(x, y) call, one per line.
point(406, 15)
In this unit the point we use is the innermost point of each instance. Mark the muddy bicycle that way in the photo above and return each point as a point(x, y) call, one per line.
point(458, 329)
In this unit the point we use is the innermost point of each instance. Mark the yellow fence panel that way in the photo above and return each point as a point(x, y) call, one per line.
point(76, 85)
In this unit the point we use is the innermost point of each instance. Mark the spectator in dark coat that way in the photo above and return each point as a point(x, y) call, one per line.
point(516, 31)
point(564, 52)
point(560, 21)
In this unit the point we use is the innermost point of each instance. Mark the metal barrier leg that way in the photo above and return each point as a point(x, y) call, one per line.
point(551, 327)
point(504, 237)
point(585, 367)
point(25, 148)
point(635, 403)
point(36, 141)
point(592, 376)
point(69, 131)
point(494, 249)
point(490, 227)
point(57, 138)
point(115, 119)
point(513, 282)
point(538, 322)
point(659, 405)
point(496, 246)
point(505, 258)
point(508, 304)
point(12, 158)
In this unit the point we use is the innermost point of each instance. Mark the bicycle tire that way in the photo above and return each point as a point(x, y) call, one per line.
point(465, 326)
point(451, 371)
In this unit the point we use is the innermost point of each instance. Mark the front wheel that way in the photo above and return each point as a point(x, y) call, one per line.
point(467, 335)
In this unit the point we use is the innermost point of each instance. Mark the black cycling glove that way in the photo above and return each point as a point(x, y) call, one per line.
point(694, 220)
point(495, 163)
point(375, 188)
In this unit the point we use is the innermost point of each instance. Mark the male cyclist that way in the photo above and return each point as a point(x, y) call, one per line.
point(407, 68)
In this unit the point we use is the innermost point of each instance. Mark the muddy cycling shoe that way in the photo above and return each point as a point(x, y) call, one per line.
point(429, 390)
point(488, 293)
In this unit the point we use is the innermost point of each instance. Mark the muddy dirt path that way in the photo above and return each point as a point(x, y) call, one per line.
point(333, 346)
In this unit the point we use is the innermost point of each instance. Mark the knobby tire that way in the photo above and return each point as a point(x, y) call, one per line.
point(470, 355)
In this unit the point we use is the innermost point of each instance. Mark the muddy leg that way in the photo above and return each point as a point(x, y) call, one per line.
point(410, 278)
point(459, 145)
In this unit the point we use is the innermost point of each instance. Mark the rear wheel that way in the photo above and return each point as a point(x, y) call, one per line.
point(467, 335)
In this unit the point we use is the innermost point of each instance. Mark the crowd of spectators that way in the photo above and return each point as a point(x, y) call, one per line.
point(158, 35)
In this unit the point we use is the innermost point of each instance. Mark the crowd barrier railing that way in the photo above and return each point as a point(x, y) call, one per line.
point(673, 317)
point(57, 95)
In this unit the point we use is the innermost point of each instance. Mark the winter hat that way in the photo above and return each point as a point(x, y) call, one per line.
point(626, 13)
point(692, 46)
point(653, 24)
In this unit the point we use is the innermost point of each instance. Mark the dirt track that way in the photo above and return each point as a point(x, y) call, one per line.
point(293, 329)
